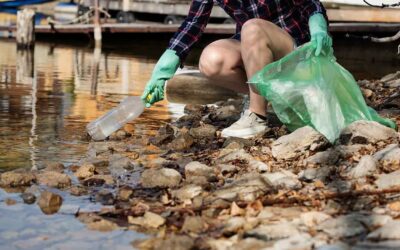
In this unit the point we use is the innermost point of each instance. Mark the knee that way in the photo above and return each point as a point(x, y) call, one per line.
point(254, 31)
point(211, 61)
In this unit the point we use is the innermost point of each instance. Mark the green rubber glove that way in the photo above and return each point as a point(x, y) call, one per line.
point(319, 33)
point(163, 71)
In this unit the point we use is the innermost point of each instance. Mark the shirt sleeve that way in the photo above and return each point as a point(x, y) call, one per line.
point(310, 7)
point(192, 28)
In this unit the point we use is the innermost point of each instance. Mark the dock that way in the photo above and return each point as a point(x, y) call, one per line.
point(141, 28)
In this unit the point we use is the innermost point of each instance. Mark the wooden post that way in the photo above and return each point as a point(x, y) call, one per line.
point(97, 26)
point(25, 28)
point(25, 65)
point(193, 88)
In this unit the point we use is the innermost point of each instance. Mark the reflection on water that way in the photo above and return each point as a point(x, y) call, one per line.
point(45, 105)
point(46, 99)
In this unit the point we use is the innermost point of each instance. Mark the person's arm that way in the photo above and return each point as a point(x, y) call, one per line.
point(179, 46)
point(317, 23)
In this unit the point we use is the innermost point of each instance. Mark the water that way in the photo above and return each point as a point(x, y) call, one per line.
point(44, 108)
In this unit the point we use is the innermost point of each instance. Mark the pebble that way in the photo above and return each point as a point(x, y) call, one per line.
point(54, 179)
point(196, 172)
point(148, 220)
point(163, 178)
point(187, 192)
point(105, 197)
point(85, 171)
point(28, 198)
point(49, 202)
point(125, 193)
point(193, 224)
point(182, 142)
point(17, 178)
point(282, 180)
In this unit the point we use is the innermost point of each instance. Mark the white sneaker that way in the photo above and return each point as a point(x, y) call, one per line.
point(249, 125)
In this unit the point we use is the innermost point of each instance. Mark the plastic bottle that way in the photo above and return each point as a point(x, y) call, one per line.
point(130, 108)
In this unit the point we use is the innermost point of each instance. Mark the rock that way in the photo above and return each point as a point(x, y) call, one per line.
point(196, 172)
point(312, 174)
point(120, 165)
point(119, 135)
point(364, 132)
point(301, 241)
point(282, 180)
point(383, 245)
point(78, 190)
point(17, 178)
point(390, 231)
point(102, 225)
point(125, 193)
point(247, 188)
point(220, 244)
point(341, 227)
point(182, 142)
point(225, 169)
point(105, 197)
point(366, 166)
point(225, 113)
point(233, 225)
point(259, 166)
point(108, 179)
point(313, 218)
point(205, 131)
point(97, 148)
point(249, 244)
point(165, 135)
point(163, 178)
point(193, 224)
point(367, 92)
point(328, 157)
point(85, 171)
point(232, 155)
point(54, 179)
point(54, 166)
point(287, 213)
point(237, 143)
point(148, 220)
point(93, 182)
point(381, 153)
point(273, 231)
point(297, 143)
point(391, 77)
point(388, 180)
point(393, 83)
point(10, 202)
point(350, 150)
point(391, 160)
point(49, 202)
point(335, 246)
point(28, 198)
point(175, 242)
point(187, 192)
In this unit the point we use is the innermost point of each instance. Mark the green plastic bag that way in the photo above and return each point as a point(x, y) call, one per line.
point(316, 91)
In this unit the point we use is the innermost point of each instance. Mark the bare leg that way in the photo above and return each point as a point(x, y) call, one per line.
point(262, 43)
point(222, 62)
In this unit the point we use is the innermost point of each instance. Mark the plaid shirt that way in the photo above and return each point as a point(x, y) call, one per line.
point(290, 15)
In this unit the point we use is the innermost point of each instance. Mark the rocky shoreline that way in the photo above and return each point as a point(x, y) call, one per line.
point(191, 189)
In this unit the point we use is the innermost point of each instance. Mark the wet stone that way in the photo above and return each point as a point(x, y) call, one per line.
point(54, 179)
point(148, 220)
point(182, 142)
point(54, 166)
point(282, 180)
point(175, 242)
point(85, 171)
point(93, 182)
point(125, 193)
point(388, 180)
point(108, 179)
point(273, 231)
point(163, 178)
point(10, 202)
point(366, 166)
point(28, 198)
point(164, 135)
point(119, 164)
point(105, 197)
point(49, 202)
point(204, 131)
point(364, 132)
point(297, 143)
point(102, 225)
point(17, 178)
point(78, 191)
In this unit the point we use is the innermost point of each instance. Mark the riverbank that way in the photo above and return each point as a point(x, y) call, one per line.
point(188, 188)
